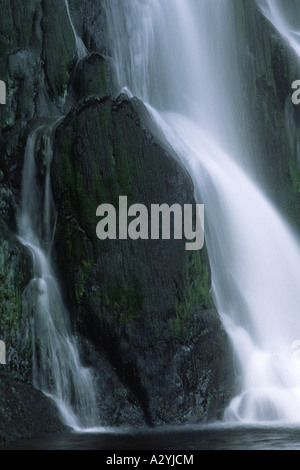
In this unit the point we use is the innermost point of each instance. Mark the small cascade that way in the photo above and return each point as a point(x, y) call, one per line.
point(81, 50)
point(57, 370)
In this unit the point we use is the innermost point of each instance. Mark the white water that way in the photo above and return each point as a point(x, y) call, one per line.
point(56, 370)
point(81, 50)
point(180, 57)
point(285, 19)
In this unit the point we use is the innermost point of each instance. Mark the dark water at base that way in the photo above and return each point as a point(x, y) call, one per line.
point(168, 439)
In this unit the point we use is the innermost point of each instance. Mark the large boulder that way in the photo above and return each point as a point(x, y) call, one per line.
point(143, 304)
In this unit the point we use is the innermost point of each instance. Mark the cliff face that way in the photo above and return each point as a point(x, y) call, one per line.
point(268, 67)
point(141, 310)
point(24, 54)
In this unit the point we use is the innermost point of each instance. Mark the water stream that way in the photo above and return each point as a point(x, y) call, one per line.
point(81, 50)
point(180, 57)
point(57, 370)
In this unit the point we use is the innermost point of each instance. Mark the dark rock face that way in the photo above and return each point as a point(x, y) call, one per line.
point(144, 303)
point(15, 270)
point(141, 310)
point(36, 52)
point(268, 68)
point(25, 412)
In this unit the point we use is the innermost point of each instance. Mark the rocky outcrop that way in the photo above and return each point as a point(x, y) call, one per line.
point(25, 412)
point(15, 270)
point(143, 304)
point(267, 68)
point(35, 69)
point(141, 310)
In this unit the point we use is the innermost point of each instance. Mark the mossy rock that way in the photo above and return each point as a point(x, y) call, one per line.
point(15, 273)
point(134, 300)
point(58, 46)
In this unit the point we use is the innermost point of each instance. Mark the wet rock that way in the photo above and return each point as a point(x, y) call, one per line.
point(141, 312)
point(136, 300)
point(24, 411)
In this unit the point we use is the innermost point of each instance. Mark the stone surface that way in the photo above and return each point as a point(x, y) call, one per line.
point(141, 310)
point(144, 303)
point(24, 411)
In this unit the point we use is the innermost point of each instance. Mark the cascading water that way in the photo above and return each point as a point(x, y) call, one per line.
point(284, 18)
point(56, 370)
point(81, 50)
point(180, 57)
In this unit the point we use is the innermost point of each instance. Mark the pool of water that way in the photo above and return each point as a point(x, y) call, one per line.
point(189, 438)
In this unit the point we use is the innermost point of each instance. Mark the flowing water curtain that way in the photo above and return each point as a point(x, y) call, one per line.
point(165, 53)
point(253, 256)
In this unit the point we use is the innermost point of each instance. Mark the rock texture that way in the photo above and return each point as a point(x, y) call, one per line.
point(268, 68)
point(141, 310)
point(35, 80)
point(143, 304)
point(24, 411)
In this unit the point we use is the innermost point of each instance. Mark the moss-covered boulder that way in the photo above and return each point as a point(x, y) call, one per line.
point(144, 304)
point(15, 273)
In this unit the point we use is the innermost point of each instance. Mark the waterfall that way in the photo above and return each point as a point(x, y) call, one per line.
point(81, 50)
point(56, 367)
point(284, 18)
point(181, 58)
point(56, 370)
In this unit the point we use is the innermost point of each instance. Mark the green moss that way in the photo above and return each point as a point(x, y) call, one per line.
point(194, 297)
point(179, 324)
point(124, 299)
point(280, 72)
point(83, 277)
point(14, 275)
point(295, 177)
point(10, 296)
point(294, 205)
point(103, 151)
